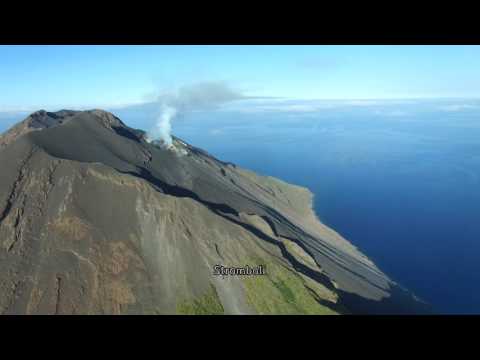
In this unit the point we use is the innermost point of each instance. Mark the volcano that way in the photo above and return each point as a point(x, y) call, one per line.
point(94, 219)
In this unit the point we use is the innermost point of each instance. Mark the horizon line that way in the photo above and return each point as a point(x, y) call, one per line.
point(33, 108)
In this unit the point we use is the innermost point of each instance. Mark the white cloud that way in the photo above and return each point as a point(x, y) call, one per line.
point(391, 113)
point(306, 106)
point(216, 132)
point(458, 107)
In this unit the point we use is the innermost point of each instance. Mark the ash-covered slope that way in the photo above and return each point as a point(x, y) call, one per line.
point(95, 220)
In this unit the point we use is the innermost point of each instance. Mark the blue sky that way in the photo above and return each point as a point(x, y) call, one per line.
point(54, 77)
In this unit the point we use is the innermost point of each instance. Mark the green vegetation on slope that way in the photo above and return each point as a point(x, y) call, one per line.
point(283, 292)
point(208, 304)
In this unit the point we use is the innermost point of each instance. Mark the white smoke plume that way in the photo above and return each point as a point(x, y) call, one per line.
point(186, 99)
point(163, 126)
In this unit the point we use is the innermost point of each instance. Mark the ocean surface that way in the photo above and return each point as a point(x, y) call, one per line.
point(398, 180)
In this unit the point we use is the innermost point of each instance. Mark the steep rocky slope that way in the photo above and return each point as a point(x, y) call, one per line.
point(95, 220)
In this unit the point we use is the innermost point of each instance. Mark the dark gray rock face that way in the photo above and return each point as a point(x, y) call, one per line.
point(95, 220)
